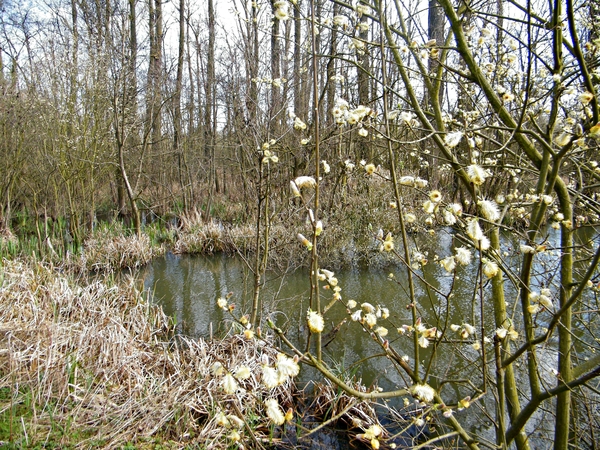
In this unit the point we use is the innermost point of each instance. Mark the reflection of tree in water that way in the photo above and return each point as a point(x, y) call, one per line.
point(189, 286)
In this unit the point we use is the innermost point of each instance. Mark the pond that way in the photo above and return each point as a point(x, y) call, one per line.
point(188, 287)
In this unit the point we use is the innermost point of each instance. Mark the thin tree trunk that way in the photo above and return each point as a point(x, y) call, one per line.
point(129, 106)
point(210, 81)
point(364, 95)
point(300, 102)
point(209, 147)
point(563, 401)
point(135, 212)
point(435, 32)
point(155, 33)
point(331, 72)
point(177, 100)
point(275, 106)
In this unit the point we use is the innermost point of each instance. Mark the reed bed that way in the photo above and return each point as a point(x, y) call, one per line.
point(196, 236)
point(110, 249)
point(98, 366)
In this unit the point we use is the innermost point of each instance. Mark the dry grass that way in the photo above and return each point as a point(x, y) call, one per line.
point(96, 366)
point(332, 403)
point(111, 249)
point(197, 236)
point(7, 236)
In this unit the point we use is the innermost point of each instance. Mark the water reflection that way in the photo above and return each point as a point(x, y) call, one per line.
point(188, 286)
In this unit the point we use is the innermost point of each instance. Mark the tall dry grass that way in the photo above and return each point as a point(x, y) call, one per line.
point(97, 366)
point(196, 236)
point(109, 249)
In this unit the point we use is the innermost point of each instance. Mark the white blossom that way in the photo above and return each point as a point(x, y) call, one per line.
point(453, 139)
point(305, 182)
point(490, 268)
point(423, 392)
point(407, 180)
point(477, 174)
point(315, 321)
point(270, 377)
point(287, 366)
point(229, 384)
point(474, 230)
point(489, 210)
point(501, 332)
point(448, 263)
point(274, 411)
point(463, 255)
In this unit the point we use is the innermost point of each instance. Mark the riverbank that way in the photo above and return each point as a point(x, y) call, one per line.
point(350, 224)
point(112, 247)
point(96, 365)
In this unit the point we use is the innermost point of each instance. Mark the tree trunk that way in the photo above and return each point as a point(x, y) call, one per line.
point(331, 72)
point(210, 83)
point(177, 147)
point(300, 91)
point(129, 103)
point(364, 96)
point(209, 90)
point(435, 32)
point(154, 97)
point(275, 106)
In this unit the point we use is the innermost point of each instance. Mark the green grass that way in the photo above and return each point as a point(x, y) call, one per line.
point(9, 418)
point(18, 429)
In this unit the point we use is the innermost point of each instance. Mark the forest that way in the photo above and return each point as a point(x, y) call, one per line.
point(315, 134)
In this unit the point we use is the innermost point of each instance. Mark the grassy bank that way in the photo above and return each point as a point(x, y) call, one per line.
point(95, 365)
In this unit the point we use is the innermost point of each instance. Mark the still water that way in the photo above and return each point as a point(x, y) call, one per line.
point(188, 287)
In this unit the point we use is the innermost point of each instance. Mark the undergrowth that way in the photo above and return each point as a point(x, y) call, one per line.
point(96, 365)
